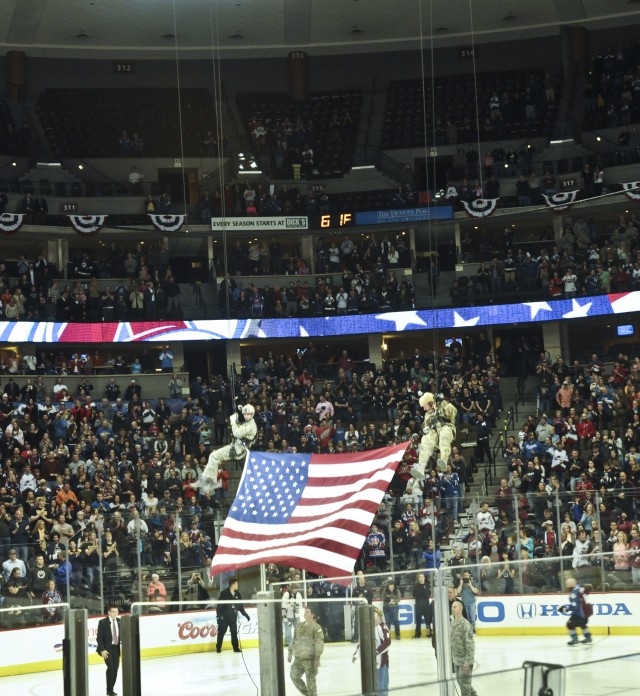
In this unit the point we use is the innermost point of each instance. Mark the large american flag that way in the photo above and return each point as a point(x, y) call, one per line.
point(310, 511)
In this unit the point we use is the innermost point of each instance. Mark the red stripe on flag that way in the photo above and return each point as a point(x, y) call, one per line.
point(319, 568)
point(355, 527)
point(326, 544)
point(377, 485)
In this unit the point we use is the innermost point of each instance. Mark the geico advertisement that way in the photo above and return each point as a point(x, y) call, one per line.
point(619, 609)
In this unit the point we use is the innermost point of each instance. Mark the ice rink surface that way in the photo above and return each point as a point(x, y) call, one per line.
point(412, 662)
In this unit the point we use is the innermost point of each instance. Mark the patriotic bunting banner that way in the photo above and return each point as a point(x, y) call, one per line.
point(481, 207)
point(632, 190)
point(561, 201)
point(168, 223)
point(310, 511)
point(10, 223)
point(87, 224)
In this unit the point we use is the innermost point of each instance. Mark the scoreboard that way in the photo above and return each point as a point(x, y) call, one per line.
point(333, 220)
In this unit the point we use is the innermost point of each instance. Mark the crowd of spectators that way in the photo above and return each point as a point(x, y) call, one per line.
point(570, 490)
point(86, 473)
point(283, 135)
point(571, 487)
point(612, 95)
point(472, 177)
point(257, 198)
point(582, 448)
point(517, 103)
point(133, 464)
point(145, 287)
point(65, 363)
point(368, 279)
point(112, 474)
point(581, 263)
point(109, 474)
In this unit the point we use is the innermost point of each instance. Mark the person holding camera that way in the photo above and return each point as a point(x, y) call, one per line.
point(156, 591)
point(467, 592)
point(507, 574)
point(292, 611)
point(196, 591)
point(166, 359)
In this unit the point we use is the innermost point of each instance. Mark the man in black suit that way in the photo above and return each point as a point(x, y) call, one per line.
point(228, 616)
point(109, 646)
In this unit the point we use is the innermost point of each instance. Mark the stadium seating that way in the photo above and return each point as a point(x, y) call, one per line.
point(453, 101)
point(332, 155)
point(88, 122)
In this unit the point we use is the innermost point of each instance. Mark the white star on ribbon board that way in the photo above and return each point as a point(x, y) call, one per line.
point(578, 310)
point(402, 319)
point(536, 307)
point(460, 321)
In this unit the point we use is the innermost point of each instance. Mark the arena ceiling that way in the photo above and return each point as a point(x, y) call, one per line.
point(248, 28)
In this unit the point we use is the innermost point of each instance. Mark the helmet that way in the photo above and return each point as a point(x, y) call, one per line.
point(248, 410)
point(426, 398)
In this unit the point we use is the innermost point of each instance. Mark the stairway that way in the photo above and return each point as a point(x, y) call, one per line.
point(425, 299)
point(571, 111)
point(477, 491)
point(232, 126)
point(198, 300)
point(51, 174)
point(370, 126)
point(25, 112)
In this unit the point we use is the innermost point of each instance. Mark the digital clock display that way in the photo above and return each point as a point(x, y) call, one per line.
point(337, 220)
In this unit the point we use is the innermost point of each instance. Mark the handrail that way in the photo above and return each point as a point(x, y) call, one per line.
point(606, 139)
point(396, 170)
point(491, 469)
point(211, 180)
point(521, 386)
point(95, 169)
point(35, 607)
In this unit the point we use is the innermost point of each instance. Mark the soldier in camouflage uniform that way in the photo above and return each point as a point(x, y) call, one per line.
point(306, 647)
point(462, 649)
point(439, 431)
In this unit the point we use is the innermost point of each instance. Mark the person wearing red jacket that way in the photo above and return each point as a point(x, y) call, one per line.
point(586, 430)
point(222, 485)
